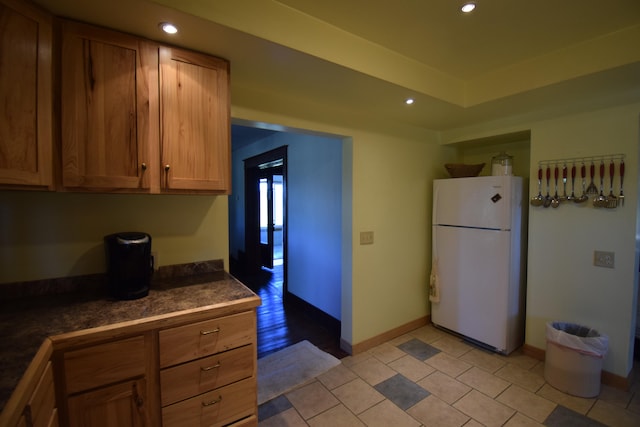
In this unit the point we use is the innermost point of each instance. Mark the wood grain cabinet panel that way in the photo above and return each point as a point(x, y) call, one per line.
point(208, 372)
point(42, 405)
point(251, 421)
point(195, 121)
point(25, 96)
point(121, 404)
point(104, 364)
point(216, 408)
point(202, 375)
point(138, 117)
point(105, 109)
point(192, 341)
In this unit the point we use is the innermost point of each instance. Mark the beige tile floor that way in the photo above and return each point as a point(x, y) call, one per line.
point(456, 384)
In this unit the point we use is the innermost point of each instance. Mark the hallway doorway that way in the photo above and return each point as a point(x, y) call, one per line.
point(316, 228)
point(266, 213)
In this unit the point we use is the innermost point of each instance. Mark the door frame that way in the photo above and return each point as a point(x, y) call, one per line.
point(252, 175)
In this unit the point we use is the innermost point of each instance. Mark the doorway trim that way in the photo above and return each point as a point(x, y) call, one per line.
point(252, 174)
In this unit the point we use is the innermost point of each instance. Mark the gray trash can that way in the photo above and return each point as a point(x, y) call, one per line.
point(573, 361)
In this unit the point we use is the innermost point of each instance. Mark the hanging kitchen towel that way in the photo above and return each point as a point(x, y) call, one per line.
point(434, 282)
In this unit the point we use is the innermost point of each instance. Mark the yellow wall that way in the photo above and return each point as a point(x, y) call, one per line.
point(49, 235)
point(384, 284)
point(562, 283)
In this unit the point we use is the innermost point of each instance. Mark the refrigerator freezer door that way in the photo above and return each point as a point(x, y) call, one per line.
point(483, 202)
point(473, 270)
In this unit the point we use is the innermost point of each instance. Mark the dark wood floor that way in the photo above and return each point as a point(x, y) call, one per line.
point(280, 326)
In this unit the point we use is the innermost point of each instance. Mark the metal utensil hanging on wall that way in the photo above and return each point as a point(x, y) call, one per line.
point(547, 198)
point(572, 197)
point(621, 196)
point(600, 198)
point(564, 196)
point(555, 201)
point(539, 199)
point(612, 200)
point(583, 197)
point(592, 190)
point(600, 201)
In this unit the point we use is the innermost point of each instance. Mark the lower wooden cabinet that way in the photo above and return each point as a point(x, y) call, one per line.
point(178, 373)
point(33, 402)
point(189, 368)
point(41, 409)
point(104, 364)
point(105, 383)
point(202, 375)
point(122, 404)
point(219, 407)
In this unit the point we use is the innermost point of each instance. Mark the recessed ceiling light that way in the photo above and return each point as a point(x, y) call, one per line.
point(168, 27)
point(409, 101)
point(468, 7)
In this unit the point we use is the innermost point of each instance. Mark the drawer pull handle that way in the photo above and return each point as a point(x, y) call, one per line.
point(213, 331)
point(212, 402)
point(208, 368)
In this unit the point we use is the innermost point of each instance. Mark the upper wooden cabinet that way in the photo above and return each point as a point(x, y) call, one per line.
point(194, 120)
point(106, 129)
point(25, 96)
point(138, 117)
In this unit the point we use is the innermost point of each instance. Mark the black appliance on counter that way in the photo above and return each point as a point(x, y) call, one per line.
point(129, 264)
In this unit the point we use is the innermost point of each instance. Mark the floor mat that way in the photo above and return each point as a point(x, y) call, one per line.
point(290, 367)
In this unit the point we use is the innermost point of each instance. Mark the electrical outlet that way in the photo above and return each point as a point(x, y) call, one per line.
point(366, 237)
point(603, 259)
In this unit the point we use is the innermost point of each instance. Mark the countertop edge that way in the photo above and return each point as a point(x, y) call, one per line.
point(167, 320)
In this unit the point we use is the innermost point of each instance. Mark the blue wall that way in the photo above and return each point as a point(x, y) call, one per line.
point(314, 185)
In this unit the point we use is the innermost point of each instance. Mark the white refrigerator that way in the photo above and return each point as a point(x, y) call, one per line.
point(477, 283)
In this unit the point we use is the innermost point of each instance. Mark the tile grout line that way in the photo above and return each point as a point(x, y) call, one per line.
point(385, 358)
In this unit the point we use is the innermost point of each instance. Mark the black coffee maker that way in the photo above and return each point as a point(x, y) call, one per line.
point(129, 264)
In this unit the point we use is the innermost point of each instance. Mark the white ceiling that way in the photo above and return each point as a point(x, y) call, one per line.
point(361, 58)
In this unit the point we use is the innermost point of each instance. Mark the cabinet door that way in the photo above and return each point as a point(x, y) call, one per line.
point(25, 96)
point(194, 120)
point(105, 109)
point(101, 364)
point(121, 405)
point(42, 405)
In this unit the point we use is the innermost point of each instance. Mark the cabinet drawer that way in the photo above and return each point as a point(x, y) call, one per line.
point(251, 421)
point(216, 408)
point(196, 340)
point(104, 364)
point(202, 375)
point(43, 400)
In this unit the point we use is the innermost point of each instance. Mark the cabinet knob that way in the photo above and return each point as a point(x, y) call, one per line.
point(166, 168)
point(143, 166)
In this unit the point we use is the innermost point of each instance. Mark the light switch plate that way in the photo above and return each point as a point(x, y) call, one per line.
point(366, 237)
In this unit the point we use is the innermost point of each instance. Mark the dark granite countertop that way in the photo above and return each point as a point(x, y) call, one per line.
point(25, 323)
